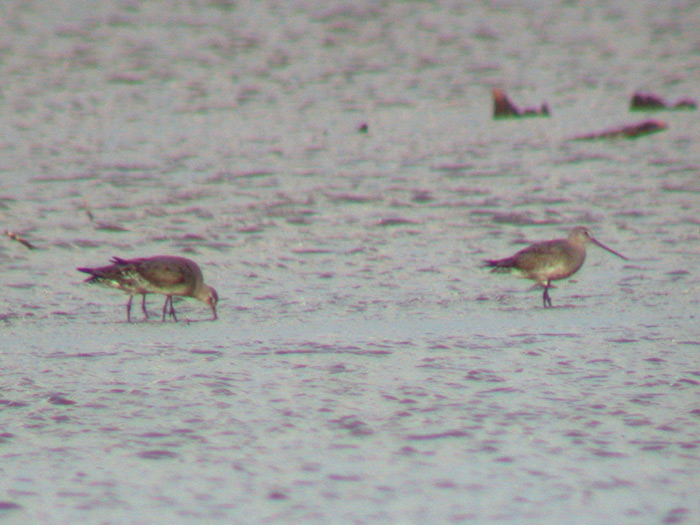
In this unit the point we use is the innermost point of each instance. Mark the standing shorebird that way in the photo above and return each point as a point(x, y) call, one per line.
point(165, 274)
point(549, 261)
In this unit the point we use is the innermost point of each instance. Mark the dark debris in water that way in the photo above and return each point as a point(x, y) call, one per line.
point(422, 196)
point(157, 454)
point(395, 221)
point(315, 348)
point(206, 352)
point(87, 243)
point(103, 226)
point(607, 453)
point(226, 176)
point(504, 107)
point(439, 435)
point(12, 404)
point(344, 477)
point(252, 228)
point(487, 376)
point(353, 198)
point(651, 101)
point(353, 425)
point(58, 399)
point(21, 286)
point(310, 251)
point(19, 239)
point(687, 381)
point(677, 515)
point(628, 131)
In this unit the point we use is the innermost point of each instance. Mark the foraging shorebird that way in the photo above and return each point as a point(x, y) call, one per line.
point(549, 261)
point(164, 274)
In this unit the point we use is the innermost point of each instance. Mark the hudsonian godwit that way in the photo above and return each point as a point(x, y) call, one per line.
point(164, 274)
point(549, 261)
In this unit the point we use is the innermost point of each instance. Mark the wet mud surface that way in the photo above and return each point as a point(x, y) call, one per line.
point(339, 179)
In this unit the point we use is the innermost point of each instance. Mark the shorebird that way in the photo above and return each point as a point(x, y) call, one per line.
point(164, 274)
point(549, 261)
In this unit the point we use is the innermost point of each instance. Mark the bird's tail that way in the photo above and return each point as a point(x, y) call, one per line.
point(94, 276)
point(500, 265)
point(97, 275)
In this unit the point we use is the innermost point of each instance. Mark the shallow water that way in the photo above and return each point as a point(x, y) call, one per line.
point(364, 368)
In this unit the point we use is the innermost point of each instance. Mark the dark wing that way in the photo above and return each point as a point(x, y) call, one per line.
point(533, 257)
point(162, 273)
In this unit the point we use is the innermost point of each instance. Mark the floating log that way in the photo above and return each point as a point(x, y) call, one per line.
point(630, 131)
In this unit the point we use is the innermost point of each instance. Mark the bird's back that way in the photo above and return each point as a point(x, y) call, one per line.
point(544, 261)
point(167, 274)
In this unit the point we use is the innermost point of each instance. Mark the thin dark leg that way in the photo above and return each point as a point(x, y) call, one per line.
point(143, 305)
point(545, 297)
point(128, 309)
point(171, 311)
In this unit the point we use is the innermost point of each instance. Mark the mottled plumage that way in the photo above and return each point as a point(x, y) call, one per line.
point(164, 274)
point(549, 261)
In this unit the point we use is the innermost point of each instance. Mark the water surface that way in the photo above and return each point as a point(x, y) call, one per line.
point(364, 369)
